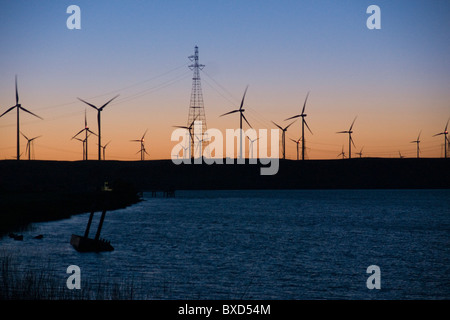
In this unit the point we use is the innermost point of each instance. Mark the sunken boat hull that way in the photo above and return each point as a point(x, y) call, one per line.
point(84, 244)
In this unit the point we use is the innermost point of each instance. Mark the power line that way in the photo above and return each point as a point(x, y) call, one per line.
point(116, 90)
point(139, 94)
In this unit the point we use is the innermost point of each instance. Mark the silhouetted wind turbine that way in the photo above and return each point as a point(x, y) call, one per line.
point(85, 141)
point(199, 145)
point(360, 152)
point(251, 145)
point(297, 142)
point(84, 147)
point(99, 110)
point(191, 136)
point(302, 115)
point(350, 140)
point(445, 132)
point(142, 150)
point(342, 153)
point(30, 143)
point(19, 107)
point(104, 150)
point(417, 142)
point(241, 111)
point(283, 136)
point(184, 151)
point(401, 157)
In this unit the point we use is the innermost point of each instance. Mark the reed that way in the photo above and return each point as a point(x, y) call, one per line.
point(42, 285)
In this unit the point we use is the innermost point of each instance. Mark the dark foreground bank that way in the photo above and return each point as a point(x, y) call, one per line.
point(365, 173)
point(46, 190)
point(20, 208)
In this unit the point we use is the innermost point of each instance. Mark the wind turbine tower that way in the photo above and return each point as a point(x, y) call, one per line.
point(196, 107)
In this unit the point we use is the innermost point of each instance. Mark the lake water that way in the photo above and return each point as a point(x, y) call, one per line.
point(284, 244)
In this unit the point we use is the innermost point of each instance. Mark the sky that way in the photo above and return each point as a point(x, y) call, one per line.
point(396, 79)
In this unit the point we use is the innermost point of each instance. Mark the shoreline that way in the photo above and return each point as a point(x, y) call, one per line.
point(20, 210)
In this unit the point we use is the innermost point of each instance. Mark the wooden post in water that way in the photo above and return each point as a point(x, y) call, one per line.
point(100, 225)
point(86, 233)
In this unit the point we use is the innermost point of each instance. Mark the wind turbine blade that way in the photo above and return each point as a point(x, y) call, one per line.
point(278, 126)
point(22, 108)
point(192, 123)
point(438, 134)
point(144, 134)
point(17, 92)
point(85, 119)
point(78, 133)
point(352, 124)
point(182, 127)
point(234, 111)
point(7, 111)
point(297, 116)
point(351, 139)
point(290, 125)
point(342, 132)
point(24, 135)
point(446, 125)
point(28, 145)
point(101, 108)
point(32, 139)
point(304, 105)
point(91, 132)
point(246, 120)
point(307, 125)
point(418, 137)
point(89, 104)
point(106, 144)
point(242, 102)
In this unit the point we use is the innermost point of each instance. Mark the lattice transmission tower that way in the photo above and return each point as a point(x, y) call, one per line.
point(196, 107)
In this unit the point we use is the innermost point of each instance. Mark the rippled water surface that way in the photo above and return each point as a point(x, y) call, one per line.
point(295, 244)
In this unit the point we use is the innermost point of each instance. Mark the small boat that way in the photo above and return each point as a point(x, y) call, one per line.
point(84, 244)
